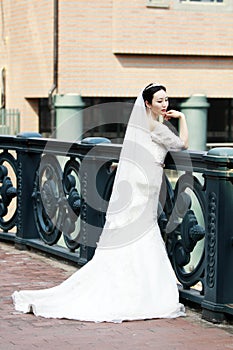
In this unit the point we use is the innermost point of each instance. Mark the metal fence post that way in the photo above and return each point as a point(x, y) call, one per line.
point(218, 297)
point(94, 177)
point(28, 163)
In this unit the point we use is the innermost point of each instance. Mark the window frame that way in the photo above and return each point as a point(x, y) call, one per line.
point(225, 6)
point(208, 2)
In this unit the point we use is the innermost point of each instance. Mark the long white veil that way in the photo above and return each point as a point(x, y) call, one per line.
point(126, 217)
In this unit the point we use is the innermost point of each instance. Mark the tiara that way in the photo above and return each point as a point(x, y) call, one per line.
point(152, 85)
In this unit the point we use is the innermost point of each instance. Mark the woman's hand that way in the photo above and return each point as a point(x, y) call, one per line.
point(173, 114)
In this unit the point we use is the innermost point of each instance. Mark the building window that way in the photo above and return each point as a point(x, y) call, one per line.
point(210, 1)
point(204, 5)
point(45, 127)
point(97, 111)
point(220, 120)
point(200, 5)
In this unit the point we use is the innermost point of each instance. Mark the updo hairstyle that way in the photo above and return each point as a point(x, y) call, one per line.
point(150, 90)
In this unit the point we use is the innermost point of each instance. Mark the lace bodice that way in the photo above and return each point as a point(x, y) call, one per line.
point(164, 140)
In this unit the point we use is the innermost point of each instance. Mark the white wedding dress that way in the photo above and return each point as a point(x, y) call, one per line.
point(128, 280)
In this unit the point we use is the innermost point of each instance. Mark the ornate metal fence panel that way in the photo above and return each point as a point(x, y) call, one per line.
point(54, 196)
point(8, 213)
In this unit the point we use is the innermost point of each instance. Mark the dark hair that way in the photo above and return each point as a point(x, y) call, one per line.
point(150, 90)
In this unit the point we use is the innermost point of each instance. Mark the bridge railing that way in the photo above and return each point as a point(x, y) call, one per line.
point(54, 195)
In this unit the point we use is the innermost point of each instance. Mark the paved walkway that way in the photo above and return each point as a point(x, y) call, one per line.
point(23, 269)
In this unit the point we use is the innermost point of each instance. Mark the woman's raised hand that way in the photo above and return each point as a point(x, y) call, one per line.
point(173, 114)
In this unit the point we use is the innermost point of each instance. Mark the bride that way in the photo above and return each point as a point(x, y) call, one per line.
point(130, 276)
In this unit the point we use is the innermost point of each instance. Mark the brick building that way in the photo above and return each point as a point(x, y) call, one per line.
point(108, 50)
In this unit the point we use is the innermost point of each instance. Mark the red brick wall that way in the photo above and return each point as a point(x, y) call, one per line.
point(139, 29)
point(115, 48)
point(27, 54)
point(112, 48)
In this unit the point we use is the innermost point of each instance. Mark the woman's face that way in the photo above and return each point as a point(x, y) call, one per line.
point(159, 104)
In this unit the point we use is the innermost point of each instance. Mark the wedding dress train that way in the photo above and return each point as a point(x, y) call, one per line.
point(128, 281)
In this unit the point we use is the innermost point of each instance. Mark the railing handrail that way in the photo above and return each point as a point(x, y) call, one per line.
point(66, 148)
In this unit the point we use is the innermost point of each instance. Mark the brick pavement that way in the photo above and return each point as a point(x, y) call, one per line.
point(24, 269)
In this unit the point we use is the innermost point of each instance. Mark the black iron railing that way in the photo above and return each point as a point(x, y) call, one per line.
point(54, 196)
